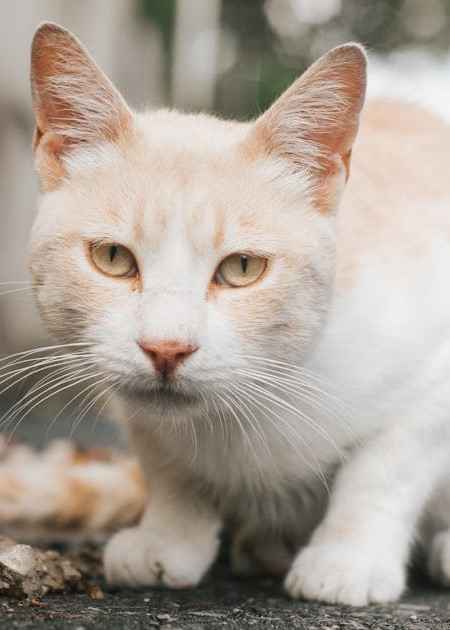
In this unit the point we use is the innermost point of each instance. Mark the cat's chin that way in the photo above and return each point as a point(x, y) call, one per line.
point(164, 396)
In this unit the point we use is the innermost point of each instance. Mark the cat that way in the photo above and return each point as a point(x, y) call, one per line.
point(273, 314)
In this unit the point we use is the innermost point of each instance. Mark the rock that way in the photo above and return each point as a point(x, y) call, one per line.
point(27, 572)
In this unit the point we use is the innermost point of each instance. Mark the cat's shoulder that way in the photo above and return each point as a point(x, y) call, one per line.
point(397, 204)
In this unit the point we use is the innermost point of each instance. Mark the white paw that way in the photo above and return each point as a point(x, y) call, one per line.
point(439, 558)
point(142, 557)
point(344, 574)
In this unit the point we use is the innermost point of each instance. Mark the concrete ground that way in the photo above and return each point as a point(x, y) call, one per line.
point(226, 603)
point(221, 602)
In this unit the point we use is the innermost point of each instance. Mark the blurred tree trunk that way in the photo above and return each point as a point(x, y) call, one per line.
point(196, 51)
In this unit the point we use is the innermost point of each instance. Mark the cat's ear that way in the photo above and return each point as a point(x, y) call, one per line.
point(74, 103)
point(314, 123)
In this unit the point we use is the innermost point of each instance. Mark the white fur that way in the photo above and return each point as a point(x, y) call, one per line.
point(173, 546)
point(302, 385)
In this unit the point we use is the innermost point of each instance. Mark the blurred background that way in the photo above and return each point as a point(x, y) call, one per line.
point(231, 57)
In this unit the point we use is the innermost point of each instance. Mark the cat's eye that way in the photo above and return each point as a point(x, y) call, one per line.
point(114, 260)
point(240, 270)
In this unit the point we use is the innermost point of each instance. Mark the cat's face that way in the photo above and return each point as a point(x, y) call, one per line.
point(186, 249)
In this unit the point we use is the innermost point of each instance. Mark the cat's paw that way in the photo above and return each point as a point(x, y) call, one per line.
point(344, 574)
point(142, 557)
point(439, 558)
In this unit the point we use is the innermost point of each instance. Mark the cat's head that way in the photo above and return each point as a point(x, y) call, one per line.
point(187, 249)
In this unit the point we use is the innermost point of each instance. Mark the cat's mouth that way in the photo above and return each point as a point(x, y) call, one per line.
point(165, 393)
point(169, 394)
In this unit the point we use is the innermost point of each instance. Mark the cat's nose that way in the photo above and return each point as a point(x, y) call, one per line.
point(166, 356)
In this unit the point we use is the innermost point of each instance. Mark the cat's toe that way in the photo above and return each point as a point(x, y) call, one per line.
point(129, 561)
point(338, 574)
point(136, 557)
point(439, 558)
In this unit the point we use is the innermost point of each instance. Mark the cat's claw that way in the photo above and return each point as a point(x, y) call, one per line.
point(139, 557)
point(340, 574)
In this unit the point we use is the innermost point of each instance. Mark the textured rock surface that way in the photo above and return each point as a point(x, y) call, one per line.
point(29, 572)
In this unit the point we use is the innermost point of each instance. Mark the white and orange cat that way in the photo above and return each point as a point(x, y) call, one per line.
point(274, 317)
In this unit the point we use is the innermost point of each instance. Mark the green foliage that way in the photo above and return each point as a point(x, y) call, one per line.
point(162, 14)
point(268, 59)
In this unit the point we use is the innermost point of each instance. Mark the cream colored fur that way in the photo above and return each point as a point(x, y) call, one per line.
point(314, 418)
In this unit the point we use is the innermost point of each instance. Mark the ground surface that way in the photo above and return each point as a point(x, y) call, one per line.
point(226, 603)
point(221, 602)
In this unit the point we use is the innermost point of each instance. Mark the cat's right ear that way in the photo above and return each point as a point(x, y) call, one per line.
point(74, 103)
point(313, 125)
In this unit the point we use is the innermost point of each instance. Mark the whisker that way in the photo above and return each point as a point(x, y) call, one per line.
point(193, 432)
point(285, 365)
point(254, 425)
point(103, 407)
point(36, 368)
point(225, 399)
point(28, 398)
point(36, 359)
point(291, 437)
point(206, 411)
point(300, 393)
point(221, 418)
point(79, 419)
point(309, 384)
point(13, 282)
point(12, 291)
point(66, 405)
point(39, 402)
point(33, 351)
point(287, 406)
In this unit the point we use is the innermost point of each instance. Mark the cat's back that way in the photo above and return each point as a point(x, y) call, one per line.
point(391, 309)
point(396, 209)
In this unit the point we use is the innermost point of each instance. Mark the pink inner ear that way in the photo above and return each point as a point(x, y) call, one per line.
point(71, 95)
point(73, 101)
point(342, 76)
point(346, 159)
point(314, 123)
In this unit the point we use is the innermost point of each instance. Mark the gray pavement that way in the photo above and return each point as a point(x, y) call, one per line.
point(226, 603)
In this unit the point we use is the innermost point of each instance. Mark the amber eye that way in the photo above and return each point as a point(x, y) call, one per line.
point(240, 270)
point(114, 260)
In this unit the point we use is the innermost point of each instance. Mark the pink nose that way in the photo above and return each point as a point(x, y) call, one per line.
point(166, 356)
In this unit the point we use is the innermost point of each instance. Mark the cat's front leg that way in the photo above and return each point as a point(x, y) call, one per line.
point(177, 539)
point(174, 545)
point(359, 553)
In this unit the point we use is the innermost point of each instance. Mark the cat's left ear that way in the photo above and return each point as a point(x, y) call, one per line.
point(74, 103)
point(313, 125)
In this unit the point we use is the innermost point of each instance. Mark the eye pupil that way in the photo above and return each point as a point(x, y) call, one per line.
point(240, 270)
point(112, 252)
